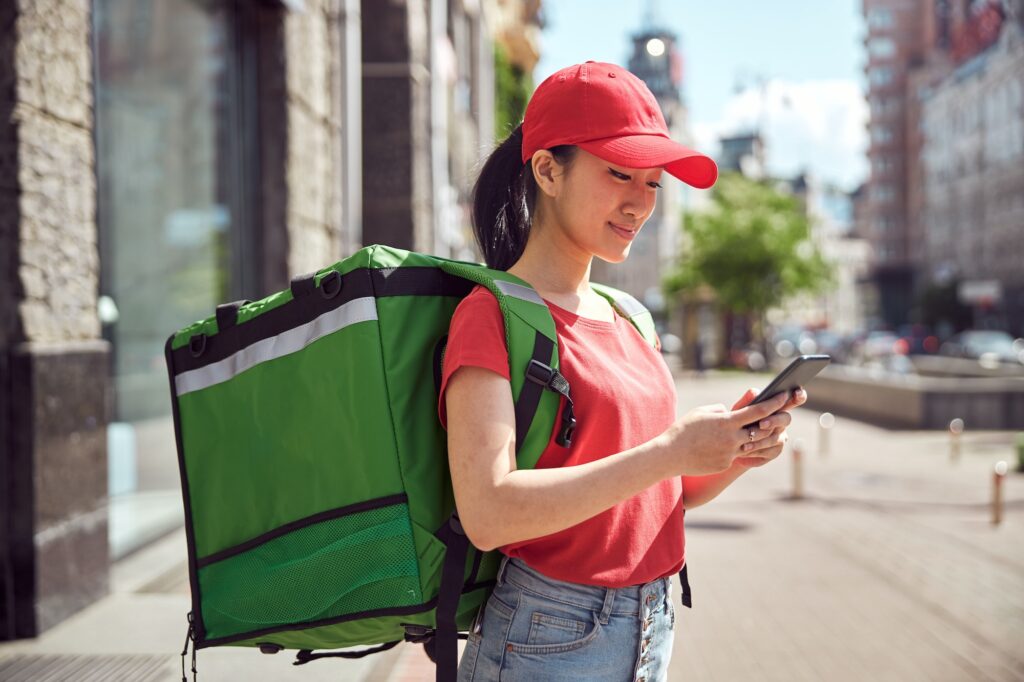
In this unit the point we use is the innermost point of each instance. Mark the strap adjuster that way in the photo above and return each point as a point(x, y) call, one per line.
point(553, 380)
point(539, 373)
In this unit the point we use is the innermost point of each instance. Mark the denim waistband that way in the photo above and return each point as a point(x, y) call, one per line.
point(632, 600)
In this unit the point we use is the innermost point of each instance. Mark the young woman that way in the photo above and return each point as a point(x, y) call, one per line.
point(593, 534)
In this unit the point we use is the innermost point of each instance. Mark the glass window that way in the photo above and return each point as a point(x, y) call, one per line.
point(881, 47)
point(881, 134)
point(880, 75)
point(880, 17)
point(168, 145)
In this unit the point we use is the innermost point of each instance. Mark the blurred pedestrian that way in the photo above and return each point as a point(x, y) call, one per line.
point(592, 536)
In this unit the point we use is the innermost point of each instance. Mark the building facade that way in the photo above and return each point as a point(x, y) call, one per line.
point(898, 34)
point(160, 157)
point(973, 160)
point(913, 46)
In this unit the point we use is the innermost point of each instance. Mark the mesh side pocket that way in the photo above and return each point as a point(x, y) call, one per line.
point(355, 563)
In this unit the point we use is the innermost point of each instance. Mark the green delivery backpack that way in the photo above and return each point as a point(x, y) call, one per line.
point(318, 504)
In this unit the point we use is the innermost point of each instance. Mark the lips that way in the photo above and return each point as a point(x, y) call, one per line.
point(622, 231)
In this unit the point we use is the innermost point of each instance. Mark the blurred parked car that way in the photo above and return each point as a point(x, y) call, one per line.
point(830, 343)
point(986, 345)
point(791, 340)
point(919, 339)
point(881, 343)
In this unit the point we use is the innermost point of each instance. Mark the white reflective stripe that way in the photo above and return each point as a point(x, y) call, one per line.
point(629, 305)
point(519, 291)
point(285, 343)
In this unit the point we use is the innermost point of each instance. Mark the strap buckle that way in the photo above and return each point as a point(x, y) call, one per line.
point(539, 373)
point(552, 379)
point(417, 634)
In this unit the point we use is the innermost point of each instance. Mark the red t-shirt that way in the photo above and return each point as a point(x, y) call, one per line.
point(623, 395)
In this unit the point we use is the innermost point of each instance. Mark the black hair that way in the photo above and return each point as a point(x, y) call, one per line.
point(503, 200)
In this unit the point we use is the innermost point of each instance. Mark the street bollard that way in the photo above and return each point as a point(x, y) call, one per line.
point(956, 427)
point(825, 423)
point(798, 470)
point(997, 493)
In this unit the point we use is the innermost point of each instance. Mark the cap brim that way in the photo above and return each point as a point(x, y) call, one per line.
point(655, 151)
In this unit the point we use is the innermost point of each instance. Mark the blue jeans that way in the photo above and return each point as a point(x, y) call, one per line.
point(534, 628)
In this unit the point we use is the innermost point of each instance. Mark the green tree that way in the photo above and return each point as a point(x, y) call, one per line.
point(753, 249)
point(512, 91)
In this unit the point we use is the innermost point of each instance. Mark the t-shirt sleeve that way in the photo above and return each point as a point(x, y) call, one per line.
point(476, 338)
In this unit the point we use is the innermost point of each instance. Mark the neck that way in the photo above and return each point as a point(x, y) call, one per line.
point(552, 264)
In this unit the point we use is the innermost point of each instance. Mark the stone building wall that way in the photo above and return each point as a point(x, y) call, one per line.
point(314, 127)
point(58, 267)
point(54, 399)
point(397, 201)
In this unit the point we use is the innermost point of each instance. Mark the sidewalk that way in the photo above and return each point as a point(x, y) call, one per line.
point(888, 569)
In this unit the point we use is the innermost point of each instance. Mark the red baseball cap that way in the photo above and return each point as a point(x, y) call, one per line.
point(606, 110)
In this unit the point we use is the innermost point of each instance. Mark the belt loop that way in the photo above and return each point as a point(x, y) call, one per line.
point(606, 609)
point(500, 578)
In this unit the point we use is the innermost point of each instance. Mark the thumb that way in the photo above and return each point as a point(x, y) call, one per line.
point(755, 413)
point(745, 399)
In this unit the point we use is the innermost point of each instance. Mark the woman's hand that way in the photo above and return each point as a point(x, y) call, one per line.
point(769, 436)
point(708, 439)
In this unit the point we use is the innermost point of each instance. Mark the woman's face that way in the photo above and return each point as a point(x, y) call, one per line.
point(601, 206)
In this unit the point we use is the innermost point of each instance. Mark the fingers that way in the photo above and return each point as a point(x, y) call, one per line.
point(745, 399)
point(778, 421)
point(761, 457)
point(752, 414)
point(765, 450)
point(798, 398)
point(760, 441)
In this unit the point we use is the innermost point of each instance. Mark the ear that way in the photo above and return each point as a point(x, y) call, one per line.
point(546, 171)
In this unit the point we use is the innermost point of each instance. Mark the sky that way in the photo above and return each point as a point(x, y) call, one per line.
point(808, 53)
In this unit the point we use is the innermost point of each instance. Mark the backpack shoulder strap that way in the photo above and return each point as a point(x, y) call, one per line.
point(533, 359)
point(630, 308)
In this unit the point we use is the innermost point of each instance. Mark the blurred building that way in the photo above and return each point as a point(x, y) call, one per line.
point(657, 60)
point(162, 156)
point(972, 126)
point(913, 46)
point(743, 154)
point(898, 35)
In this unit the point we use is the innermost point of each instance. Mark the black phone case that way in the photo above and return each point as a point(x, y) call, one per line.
point(796, 374)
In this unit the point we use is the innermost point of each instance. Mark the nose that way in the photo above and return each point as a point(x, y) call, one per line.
point(639, 203)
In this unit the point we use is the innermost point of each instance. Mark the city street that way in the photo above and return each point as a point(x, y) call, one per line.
point(889, 568)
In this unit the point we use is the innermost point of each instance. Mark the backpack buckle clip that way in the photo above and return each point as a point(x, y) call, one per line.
point(417, 634)
point(539, 373)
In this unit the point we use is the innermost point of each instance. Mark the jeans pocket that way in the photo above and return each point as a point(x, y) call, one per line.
point(545, 629)
point(541, 629)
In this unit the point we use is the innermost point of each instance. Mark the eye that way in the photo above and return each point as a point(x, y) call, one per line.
point(654, 185)
point(618, 175)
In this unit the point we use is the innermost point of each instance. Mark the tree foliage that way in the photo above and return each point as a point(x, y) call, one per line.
point(753, 248)
point(512, 91)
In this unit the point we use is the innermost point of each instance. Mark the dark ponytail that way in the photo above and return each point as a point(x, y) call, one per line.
point(503, 200)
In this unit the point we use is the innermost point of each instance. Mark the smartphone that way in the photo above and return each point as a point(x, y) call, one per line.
point(797, 373)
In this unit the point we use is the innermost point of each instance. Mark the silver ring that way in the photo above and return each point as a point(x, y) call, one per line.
point(751, 434)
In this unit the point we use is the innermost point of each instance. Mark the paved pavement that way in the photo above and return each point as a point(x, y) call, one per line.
point(889, 568)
